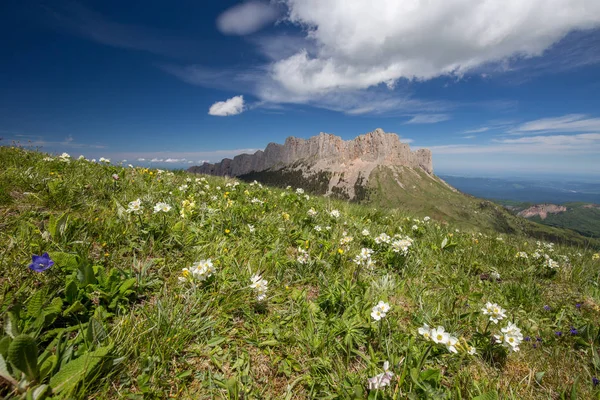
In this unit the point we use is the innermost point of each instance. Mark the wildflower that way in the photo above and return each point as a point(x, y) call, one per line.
point(558, 333)
point(200, 271)
point(439, 335)
point(162, 207)
point(47, 159)
point(495, 275)
point(300, 191)
point(251, 228)
point(318, 228)
point(578, 306)
point(521, 254)
point(450, 342)
point(415, 228)
point(471, 350)
point(381, 380)
point(425, 331)
point(382, 238)
point(65, 157)
point(183, 188)
point(81, 157)
point(260, 286)
point(115, 177)
point(345, 239)
point(135, 207)
point(426, 219)
point(495, 312)
point(510, 337)
point(187, 208)
point(334, 213)
point(311, 212)
point(306, 197)
point(402, 245)
point(596, 256)
point(550, 263)
point(364, 257)
point(573, 331)
point(40, 263)
point(104, 160)
point(595, 381)
point(547, 307)
point(303, 256)
point(365, 232)
point(380, 310)
point(285, 216)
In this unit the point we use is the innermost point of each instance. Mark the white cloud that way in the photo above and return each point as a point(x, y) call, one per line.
point(469, 137)
point(246, 18)
point(478, 130)
point(141, 159)
point(380, 41)
point(566, 123)
point(232, 106)
point(428, 119)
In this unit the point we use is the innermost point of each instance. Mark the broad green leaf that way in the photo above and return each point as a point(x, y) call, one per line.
point(22, 353)
point(74, 308)
point(215, 341)
point(4, 343)
point(76, 370)
point(39, 393)
point(95, 331)
point(35, 303)
point(539, 376)
point(11, 326)
point(86, 275)
point(48, 366)
point(71, 291)
point(65, 261)
point(126, 285)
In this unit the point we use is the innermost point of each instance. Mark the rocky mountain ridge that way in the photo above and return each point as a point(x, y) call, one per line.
point(542, 210)
point(347, 162)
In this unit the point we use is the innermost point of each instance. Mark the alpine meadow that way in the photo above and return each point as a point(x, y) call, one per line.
point(129, 282)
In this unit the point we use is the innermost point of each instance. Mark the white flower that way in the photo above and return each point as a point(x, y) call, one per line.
point(402, 245)
point(450, 342)
point(300, 191)
point(65, 157)
point(382, 238)
point(365, 232)
point(318, 228)
point(93, 160)
point(334, 213)
point(471, 350)
point(425, 331)
point(311, 212)
point(415, 228)
point(511, 337)
point(104, 160)
point(426, 219)
point(183, 188)
point(381, 380)
point(495, 312)
point(345, 239)
point(251, 228)
point(495, 275)
point(81, 157)
point(380, 310)
point(260, 286)
point(202, 269)
point(48, 159)
point(439, 335)
point(256, 201)
point(303, 256)
point(550, 263)
point(522, 254)
point(162, 207)
point(306, 197)
point(135, 207)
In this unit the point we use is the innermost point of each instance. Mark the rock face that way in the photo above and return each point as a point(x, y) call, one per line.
point(348, 161)
point(542, 210)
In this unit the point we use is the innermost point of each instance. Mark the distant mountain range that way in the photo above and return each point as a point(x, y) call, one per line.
point(378, 169)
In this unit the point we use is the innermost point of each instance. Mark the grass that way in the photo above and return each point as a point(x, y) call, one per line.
point(112, 318)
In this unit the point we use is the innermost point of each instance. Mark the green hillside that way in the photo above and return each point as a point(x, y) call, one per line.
point(171, 285)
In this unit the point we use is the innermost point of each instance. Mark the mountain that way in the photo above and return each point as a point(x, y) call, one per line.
point(377, 168)
point(583, 218)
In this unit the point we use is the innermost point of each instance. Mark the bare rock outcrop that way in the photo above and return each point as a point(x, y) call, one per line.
point(542, 210)
point(348, 160)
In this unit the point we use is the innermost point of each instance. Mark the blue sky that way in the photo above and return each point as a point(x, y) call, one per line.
point(492, 87)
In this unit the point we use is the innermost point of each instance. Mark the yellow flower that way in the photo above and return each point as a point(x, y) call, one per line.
point(106, 254)
point(596, 256)
point(227, 231)
point(341, 251)
point(285, 216)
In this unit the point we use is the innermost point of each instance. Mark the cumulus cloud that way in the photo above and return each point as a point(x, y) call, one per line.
point(428, 119)
point(246, 18)
point(377, 42)
point(232, 106)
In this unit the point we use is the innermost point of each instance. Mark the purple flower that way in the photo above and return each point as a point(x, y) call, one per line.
point(547, 307)
point(539, 339)
point(558, 333)
point(573, 331)
point(527, 338)
point(595, 381)
point(578, 305)
point(40, 263)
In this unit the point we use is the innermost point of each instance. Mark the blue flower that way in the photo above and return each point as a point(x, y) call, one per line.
point(558, 333)
point(40, 263)
point(547, 307)
point(595, 381)
point(573, 331)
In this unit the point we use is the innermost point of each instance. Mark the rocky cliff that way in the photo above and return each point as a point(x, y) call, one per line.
point(542, 210)
point(347, 161)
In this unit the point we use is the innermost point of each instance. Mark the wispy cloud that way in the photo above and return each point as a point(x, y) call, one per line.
point(180, 157)
point(428, 118)
point(469, 137)
point(246, 18)
point(566, 123)
point(51, 145)
point(478, 130)
point(232, 106)
point(80, 20)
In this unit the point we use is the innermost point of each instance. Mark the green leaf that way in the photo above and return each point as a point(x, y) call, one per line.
point(86, 275)
point(39, 393)
point(126, 285)
point(4, 343)
point(431, 375)
point(76, 370)
point(271, 342)
point(11, 326)
point(95, 331)
point(35, 304)
point(215, 341)
point(74, 309)
point(539, 376)
point(4, 372)
point(22, 353)
point(71, 291)
point(65, 261)
point(492, 395)
point(48, 366)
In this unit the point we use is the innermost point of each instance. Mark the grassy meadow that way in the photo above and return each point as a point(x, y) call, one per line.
point(161, 284)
